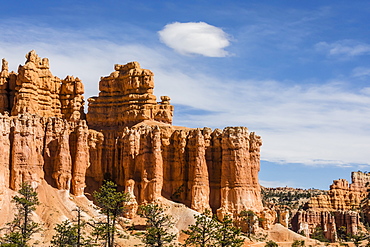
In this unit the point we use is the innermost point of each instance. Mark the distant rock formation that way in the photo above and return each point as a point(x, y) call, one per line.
point(340, 207)
point(127, 136)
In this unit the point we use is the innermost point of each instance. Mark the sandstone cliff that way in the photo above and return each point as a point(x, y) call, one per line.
point(127, 136)
point(43, 134)
point(202, 168)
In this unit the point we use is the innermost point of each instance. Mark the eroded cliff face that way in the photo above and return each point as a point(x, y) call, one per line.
point(202, 168)
point(43, 134)
point(186, 165)
point(127, 136)
point(340, 207)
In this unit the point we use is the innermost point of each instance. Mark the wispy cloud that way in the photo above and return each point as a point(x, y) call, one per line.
point(274, 184)
point(313, 125)
point(195, 38)
point(361, 72)
point(348, 48)
point(307, 124)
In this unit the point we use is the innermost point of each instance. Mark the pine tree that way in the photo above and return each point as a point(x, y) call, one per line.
point(111, 203)
point(227, 234)
point(298, 243)
point(250, 218)
point(203, 232)
point(71, 235)
point(66, 234)
point(271, 244)
point(158, 226)
point(22, 227)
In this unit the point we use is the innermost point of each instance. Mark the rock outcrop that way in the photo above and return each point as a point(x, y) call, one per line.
point(43, 135)
point(127, 137)
point(126, 98)
point(340, 207)
point(35, 90)
point(184, 165)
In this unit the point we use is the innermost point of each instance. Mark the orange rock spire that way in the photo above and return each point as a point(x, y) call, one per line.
point(126, 98)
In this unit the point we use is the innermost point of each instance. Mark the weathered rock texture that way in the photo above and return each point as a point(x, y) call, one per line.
point(43, 135)
point(35, 90)
point(339, 207)
point(129, 138)
point(202, 168)
point(184, 165)
point(126, 98)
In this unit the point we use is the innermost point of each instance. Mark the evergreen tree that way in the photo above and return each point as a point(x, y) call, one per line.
point(250, 218)
point(298, 243)
point(203, 232)
point(66, 234)
point(318, 234)
point(111, 202)
point(158, 226)
point(271, 244)
point(22, 227)
point(227, 234)
point(71, 235)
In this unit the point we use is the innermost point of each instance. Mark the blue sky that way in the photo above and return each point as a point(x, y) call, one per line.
point(295, 72)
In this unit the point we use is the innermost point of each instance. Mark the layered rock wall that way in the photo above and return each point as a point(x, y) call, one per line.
point(202, 168)
point(126, 98)
point(43, 135)
point(35, 90)
point(37, 148)
point(176, 163)
point(128, 137)
point(342, 196)
point(338, 208)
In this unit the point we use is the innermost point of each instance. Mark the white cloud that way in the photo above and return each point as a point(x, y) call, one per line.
point(195, 38)
point(313, 125)
point(348, 48)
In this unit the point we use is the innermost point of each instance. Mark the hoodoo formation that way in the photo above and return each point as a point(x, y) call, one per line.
point(47, 140)
point(126, 136)
point(340, 207)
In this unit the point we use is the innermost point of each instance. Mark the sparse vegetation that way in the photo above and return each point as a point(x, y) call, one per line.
point(227, 234)
point(208, 231)
point(202, 233)
point(298, 243)
point(291, 198)
point(271, 244)
point(70, 235)
point(22, 227)
point(318, 234)
point(111, 202)
point(158, 231)
point(250, 219)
